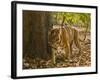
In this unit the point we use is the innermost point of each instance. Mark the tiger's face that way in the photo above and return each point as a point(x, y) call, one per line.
point(60, 52)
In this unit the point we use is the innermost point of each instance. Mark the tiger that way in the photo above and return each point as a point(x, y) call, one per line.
point(61, 40)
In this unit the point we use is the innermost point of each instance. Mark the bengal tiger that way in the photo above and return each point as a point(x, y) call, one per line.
point(61, 40)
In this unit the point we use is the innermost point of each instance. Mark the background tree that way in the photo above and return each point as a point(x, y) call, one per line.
point(71, 18)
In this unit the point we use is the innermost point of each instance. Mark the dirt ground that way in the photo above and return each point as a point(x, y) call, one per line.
point(82, 60)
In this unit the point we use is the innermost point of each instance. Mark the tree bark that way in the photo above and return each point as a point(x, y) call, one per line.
point(35, 25)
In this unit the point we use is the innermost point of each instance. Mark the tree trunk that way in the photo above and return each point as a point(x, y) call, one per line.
point(35, 25)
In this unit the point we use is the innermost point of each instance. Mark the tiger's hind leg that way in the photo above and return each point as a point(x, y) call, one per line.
point(76, 41)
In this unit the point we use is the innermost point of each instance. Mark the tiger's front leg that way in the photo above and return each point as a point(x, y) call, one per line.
point(66, 54)
point(68, 51)
point(53, 57)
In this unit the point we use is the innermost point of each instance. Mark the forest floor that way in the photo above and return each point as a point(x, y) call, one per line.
point(76, 60)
